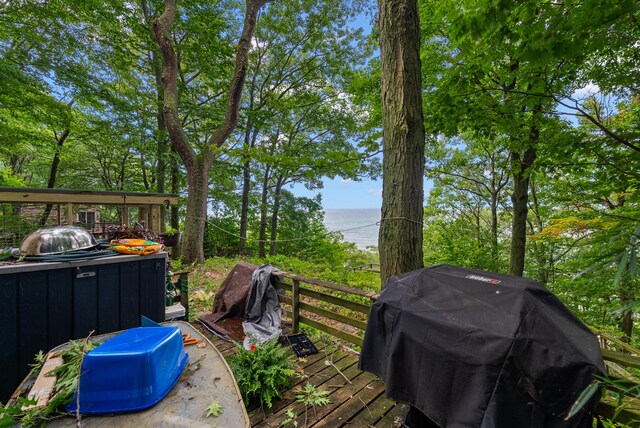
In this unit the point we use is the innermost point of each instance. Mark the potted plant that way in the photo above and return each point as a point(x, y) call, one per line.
point(170, 237)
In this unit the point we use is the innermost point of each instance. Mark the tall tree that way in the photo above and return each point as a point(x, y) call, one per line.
point(477, 166)
point(198, 163)
point(305, 53)
point(403, 138)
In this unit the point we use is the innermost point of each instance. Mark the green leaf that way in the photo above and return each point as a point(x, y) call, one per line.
point(621, 268)
point(582, 400)
point(214, 409)
point(633, 262)
point(624, 309)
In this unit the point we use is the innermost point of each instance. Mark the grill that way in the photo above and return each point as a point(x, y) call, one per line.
point(468, 348)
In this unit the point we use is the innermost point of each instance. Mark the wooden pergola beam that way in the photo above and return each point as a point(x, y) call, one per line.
point(84, 197)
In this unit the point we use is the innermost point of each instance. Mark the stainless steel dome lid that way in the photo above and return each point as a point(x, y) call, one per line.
point(56, 240)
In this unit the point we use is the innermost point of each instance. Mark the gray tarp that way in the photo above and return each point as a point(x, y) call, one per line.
point(263, 312)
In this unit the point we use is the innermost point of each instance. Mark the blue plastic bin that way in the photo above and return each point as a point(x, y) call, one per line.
point(131, 371)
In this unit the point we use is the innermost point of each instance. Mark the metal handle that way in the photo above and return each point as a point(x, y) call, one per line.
point(85, 274)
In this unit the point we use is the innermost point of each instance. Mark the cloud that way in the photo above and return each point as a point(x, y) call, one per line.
point(376, 192)
point(588, 90)
point(346, 180)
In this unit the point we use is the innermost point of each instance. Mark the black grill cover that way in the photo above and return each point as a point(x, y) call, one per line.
point(475, 349)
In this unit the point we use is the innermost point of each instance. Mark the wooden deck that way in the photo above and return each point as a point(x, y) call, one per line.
point(358, 402)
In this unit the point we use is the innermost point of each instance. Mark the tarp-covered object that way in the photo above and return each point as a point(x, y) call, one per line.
point(475, 349)
point(263, 313)
point(230, 303)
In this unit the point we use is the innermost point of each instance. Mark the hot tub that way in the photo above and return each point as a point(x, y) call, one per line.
point(43, 305)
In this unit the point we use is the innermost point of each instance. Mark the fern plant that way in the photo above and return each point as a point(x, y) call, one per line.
point(262, 371)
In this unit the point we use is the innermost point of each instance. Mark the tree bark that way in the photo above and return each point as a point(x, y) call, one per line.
point(263, 212)
point(161, 136)
point(497, 185)
point(400, 238)
point(244, 210)
point(274, 216)
point(175, 209)
point(539, 247)
point(196, 217)
point(521, 166)
point(53, 174)
point(249, 142)
point(626, 325)
point(198, 165)
point(494, 226)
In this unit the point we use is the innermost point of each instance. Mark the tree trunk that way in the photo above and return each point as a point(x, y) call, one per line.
point(626, 326)
point(477, 214)
point(175, 209)
point(539, 248)
point(16, 162)
point(194, 224)
point(494, 226)
point(263, 213)
point(400, 239)
point(161, 136)
point(496, 185)
point(521, 166)
point(193, 239)
point(249, 142)
point(244, 211)
point(274, 216)
point(53, 173)
point(519, 199)
point(626, 322)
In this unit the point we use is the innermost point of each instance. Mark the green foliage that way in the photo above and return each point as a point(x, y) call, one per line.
point(618, 392)
point(170, 230)
point(339, 273)
point(292, 418)
point(262, 371)
point(310, 396)
point(7, 179)
point(221, 236)
point(67, 375)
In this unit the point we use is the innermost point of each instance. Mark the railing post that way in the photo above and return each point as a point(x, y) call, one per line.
point(183, 286)
point(295, 306)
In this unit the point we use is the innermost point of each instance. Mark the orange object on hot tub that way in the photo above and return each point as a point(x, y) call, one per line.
point(135, 246)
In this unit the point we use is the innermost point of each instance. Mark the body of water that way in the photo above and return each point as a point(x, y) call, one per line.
point(356, 225)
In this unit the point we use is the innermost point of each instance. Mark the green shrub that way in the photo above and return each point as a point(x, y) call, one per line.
point(262, 371)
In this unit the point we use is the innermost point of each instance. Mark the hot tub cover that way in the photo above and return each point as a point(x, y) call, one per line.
point(475, 349)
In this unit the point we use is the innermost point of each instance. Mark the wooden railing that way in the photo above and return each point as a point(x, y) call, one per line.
point(338, 303)
point(621, 402)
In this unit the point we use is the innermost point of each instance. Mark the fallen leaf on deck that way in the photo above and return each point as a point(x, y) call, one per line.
point(214, 409)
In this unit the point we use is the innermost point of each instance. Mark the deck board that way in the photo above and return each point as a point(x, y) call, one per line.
point(360, 403)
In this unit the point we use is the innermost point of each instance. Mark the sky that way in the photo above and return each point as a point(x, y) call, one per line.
point(340, 193)
point(347, 194)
